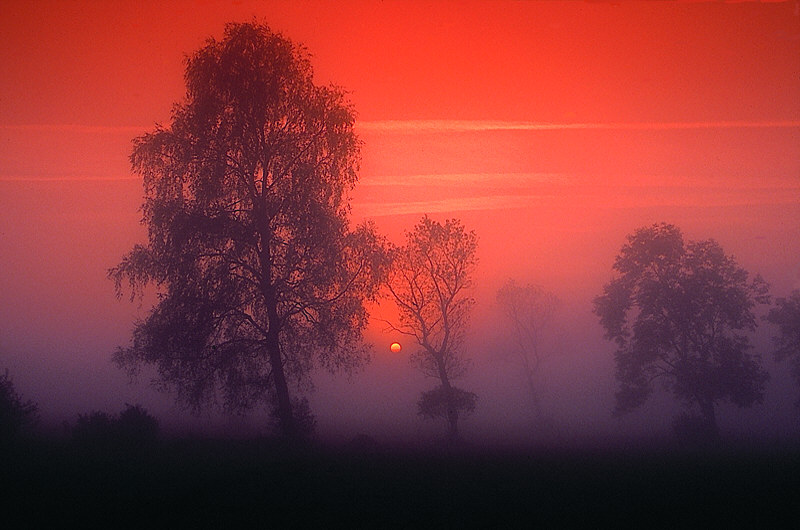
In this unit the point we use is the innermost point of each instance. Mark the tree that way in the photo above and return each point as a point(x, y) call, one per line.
point(438, 403)
point(135, 424)
point(132, 428)
point(15, 412)
point(428, 281)
point(260, 276)
point(529, 309)
point(94, 429)
point(786, 315)
point(677, 311)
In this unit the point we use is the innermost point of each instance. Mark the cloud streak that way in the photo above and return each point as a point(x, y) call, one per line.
point(418, 126)
point(445, 126)
point(74, 128)
point(508, 202)
point(465, 179)
point(12, 178)
point(529, 179)
point(489, 202)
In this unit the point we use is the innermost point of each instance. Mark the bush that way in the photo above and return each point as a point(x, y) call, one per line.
point(134, 426)
point(15, 414)
point(433, 403)
point(134, 423)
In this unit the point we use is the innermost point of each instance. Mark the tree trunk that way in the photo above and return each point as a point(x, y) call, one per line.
point(710, 418)
point(530, 371)
point(284, 403)
point(452, 412)
point(534, 394)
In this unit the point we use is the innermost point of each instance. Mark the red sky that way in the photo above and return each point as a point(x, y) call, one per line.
point(552, 129)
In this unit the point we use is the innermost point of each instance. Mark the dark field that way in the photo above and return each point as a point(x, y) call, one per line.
point(205, 483)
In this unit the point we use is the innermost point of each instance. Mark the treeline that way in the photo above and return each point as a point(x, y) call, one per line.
point(262, 278)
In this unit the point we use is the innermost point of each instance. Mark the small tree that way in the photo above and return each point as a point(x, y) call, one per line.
point(131, 428)
point(15, 413)
point(135, 425)
point(259, 273)
point(428, 281)
point(677, 312)
point(94, 429)
point(437, 403)
point(529, 310)
point(786, 315)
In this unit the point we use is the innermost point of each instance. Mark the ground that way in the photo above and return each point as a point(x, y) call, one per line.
point(202, 482)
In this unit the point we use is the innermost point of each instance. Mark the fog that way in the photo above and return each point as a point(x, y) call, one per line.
point(558, 225)
point(553, 130)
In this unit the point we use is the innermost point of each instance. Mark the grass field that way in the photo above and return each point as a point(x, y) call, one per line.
point(190, 483)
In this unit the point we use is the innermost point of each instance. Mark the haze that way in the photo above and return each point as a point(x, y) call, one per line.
point(551, 129)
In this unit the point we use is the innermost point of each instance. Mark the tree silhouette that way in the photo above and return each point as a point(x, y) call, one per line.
point(428, 282)
point(676, 311)
point(94, 429)
point(528, 309)
point(246, 202)
point(132, 428)
point(134, 424)
point(786, 315)
point(15, 412)
point(438, 403)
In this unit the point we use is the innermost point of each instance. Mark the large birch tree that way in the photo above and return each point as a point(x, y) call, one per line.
point(259, 274)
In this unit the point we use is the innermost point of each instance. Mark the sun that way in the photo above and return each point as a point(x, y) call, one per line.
point(395, 347)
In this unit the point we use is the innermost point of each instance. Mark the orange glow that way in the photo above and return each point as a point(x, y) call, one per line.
point(552, 129)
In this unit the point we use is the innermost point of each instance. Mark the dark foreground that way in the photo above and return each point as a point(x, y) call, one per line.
point(203, 483)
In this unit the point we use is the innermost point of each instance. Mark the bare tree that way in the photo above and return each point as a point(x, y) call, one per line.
point(529, 309)
point(428, 281)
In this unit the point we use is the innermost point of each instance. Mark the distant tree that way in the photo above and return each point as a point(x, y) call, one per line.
point(95, 427)
point(786, 315)
point(135, 424)
point(428, 281)
point(133, 427)
point(529, 310)
point(438, 402)
point(259, 273)
point(677, 311)
point(15, 412)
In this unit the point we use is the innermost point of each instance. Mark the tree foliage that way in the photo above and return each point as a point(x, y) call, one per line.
point(260, 276)
point(434, 403)
point(94, 428)
point(133, 427)
point(528, 309)
point(16, 413)
point(786, 316)
point(135, 423)
point(679, 312)
point(428, 280)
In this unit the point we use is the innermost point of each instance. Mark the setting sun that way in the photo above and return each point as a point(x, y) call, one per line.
point(395, 347)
